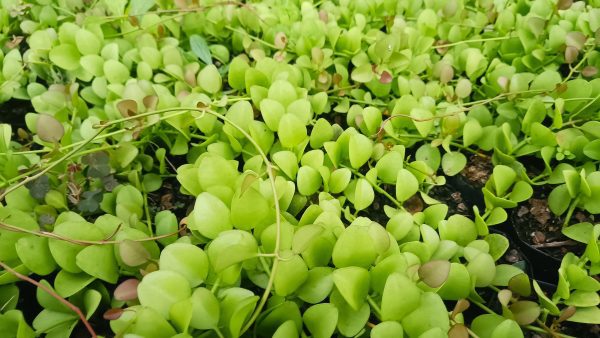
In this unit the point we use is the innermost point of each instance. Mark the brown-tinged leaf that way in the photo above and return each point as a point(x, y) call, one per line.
point(113, 314)
point(49, 129)
point(589, 71)
point(385, 77)
point(127, 107)
point(564, 4)
point(520, 284)
point(575, 39)
point(434, 273)
point(525, 311)
point(566, 313)
point(504, 296)
point(323, 16)
point(280, 40)
point(446, 73)
point(458, 331)
point(461, 306)
point(571, 54)
point(14, 42)
point(150, 102)
point(503, 82)
point(148, 269)
point(127, 290)
point(133, 253)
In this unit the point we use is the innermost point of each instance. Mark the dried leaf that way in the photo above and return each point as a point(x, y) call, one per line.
point(127, 107)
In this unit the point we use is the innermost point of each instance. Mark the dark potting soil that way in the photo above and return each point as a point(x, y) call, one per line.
point(13, 112)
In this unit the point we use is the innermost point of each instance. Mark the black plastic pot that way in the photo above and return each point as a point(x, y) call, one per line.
point(541, 266)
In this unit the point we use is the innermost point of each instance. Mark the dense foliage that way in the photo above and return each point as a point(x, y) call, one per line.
point(296, 137)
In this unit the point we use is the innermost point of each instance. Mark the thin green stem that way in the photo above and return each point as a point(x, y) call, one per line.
point(499, 38)
point(376, 187)
point(574, 69)
point(572, 116)
point(570, 211)
point(148, 217)
point(219, 333)
point(374, 306)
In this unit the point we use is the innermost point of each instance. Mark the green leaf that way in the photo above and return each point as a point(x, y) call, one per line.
point(360, 149)
point(87, 42)
point(231, 247)
point(353, 284)
point(482, 268)
point(400, 297)
point(586, 315)
point(387, 329)
point(363, 194)
point(431, 313)
point(283, 92)
point(291, 131)
point(99, 261)
point(115, 71)
point(453, 163)
point(65, 253)
point(291, 274)
point(33, 251)
point(65, 56)
point(186, 259)
point(210, 216)
point(389, 165)
point(406, 185)
point(423, 120)
point(318, 285)
point(140, 7)
point(363, 73)
point(287, 329)
point(209, 79)
point(581, 232)
point(458, 228)
point(339, 180)
point(249, 208)
point(200, 48)
point(546, 81)
point(558, 199)
point(592, 150)
point(159, 290)
point(321, 320)
point(68, 284)
point(504, 177)
point(287, 162)
point(583, 299)
point(458, 283)
point(495, 326)
point(354, 247)
point(205, 310)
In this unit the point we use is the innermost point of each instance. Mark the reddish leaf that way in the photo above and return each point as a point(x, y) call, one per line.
point(112, 314)
point(127, 290)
